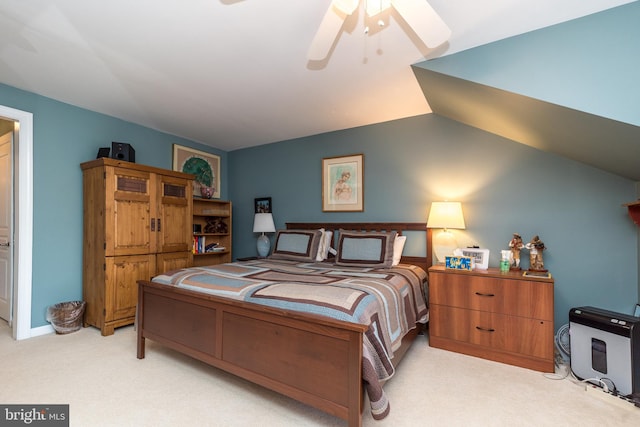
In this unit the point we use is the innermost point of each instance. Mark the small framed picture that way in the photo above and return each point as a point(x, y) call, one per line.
point(480, 257)
point(263, 205)
point(636, 312)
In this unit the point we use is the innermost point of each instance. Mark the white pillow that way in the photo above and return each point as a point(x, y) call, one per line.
point(325, 245)
point(398, 247)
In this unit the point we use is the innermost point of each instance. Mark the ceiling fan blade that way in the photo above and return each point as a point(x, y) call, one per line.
point(345, 6)
point(426, 23)
point(327, 33)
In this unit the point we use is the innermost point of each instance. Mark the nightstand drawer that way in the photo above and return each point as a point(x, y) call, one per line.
point(524, 336)
point(492, 294)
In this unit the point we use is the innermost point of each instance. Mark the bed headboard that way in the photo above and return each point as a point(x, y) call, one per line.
point(398, 227)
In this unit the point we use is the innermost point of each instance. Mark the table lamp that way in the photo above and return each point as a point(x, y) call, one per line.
point(445, 215)
point(263, 223)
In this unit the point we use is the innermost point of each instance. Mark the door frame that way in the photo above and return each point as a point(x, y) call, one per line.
point(23, 219)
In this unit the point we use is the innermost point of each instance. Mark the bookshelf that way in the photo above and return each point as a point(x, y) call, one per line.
point(211, 232)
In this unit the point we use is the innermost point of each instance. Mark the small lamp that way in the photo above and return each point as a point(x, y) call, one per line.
point(445, 215)
point(263, 223)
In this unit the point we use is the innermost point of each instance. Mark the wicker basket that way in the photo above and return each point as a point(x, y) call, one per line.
point(66, 317)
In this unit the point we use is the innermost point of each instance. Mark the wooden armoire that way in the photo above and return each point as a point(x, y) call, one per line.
point(137, 224)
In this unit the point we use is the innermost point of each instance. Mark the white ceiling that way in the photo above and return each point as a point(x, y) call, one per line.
point(234, 73)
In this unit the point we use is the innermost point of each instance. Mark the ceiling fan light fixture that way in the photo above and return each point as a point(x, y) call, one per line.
point(418, 14)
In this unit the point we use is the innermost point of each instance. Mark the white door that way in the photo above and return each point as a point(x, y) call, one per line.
point(6, 226)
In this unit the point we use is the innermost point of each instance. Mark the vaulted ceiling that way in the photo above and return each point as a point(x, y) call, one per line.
point(570, 89)
point(234, 73)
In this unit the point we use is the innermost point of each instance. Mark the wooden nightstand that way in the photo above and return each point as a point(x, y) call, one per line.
point(504, 317)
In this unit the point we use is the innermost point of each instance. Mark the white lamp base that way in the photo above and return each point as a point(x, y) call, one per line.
point(263, 245)
point(443, 245)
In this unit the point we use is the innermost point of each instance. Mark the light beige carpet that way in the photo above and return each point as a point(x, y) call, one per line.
point(106, 385)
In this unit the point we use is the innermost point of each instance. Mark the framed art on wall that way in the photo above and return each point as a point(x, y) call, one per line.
point(343, 183)
point(205, 167)
point(263, 205)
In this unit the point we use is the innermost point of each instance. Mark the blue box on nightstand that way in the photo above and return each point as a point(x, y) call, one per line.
point(458, 263)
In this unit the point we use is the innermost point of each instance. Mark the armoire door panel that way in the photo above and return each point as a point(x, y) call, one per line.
point(168, 261)
point(174, 208)
point(129, 214)
point(122, 275)
point(132, 228)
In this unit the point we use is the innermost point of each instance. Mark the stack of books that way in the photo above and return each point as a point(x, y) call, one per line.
point(200, 246)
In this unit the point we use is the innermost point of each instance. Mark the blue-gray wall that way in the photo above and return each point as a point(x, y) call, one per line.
point(63, 137)
point(505, 187)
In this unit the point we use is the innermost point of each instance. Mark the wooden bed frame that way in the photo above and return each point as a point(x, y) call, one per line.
point(315, 360)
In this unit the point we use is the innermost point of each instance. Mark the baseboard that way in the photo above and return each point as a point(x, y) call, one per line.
point(42, 330)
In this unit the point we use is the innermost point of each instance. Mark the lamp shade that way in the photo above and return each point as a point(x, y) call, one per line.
point(446, 215)
point(263, 223)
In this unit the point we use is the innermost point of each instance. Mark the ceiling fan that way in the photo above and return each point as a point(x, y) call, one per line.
point(418, 14)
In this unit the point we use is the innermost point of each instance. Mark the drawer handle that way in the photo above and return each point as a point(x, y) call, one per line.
point(480, 294)
point(485, 329)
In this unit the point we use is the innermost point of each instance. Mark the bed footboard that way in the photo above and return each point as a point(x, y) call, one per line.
point(314, 360)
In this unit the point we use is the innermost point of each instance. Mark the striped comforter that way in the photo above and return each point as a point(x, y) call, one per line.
point(391, 301)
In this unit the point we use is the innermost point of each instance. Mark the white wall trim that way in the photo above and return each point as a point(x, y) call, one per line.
point(42, 330)
point(23, 273)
